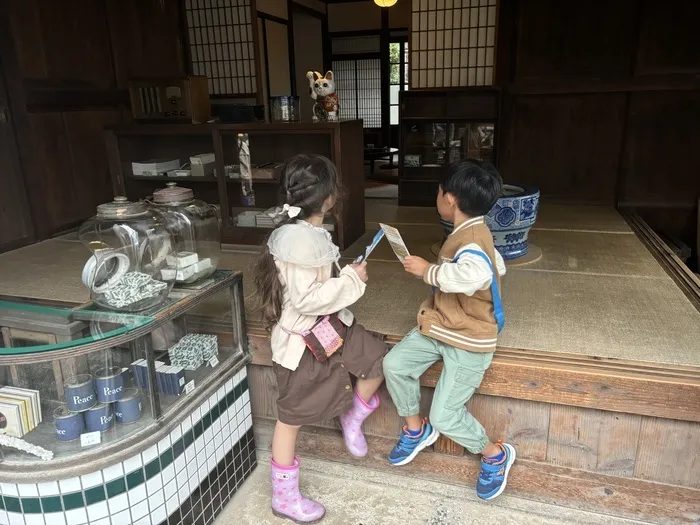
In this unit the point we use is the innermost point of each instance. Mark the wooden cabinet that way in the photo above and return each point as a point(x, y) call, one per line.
point(439, 128)
point(270, 145)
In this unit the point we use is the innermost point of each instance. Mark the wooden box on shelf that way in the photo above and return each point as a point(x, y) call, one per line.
point(441, 127)
point(270, 145)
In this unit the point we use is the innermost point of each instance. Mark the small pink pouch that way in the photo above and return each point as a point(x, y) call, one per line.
point(325, 337)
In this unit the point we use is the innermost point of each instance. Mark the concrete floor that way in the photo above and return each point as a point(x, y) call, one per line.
point(355, 495)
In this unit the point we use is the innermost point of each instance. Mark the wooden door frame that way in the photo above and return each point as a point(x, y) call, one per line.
point(18, 126)
point(325, 35)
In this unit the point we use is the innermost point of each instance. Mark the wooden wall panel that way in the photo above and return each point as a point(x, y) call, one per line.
point(28, 40)
point(525, 424)
point(89, 155)
point(575, 39)
point(68, 172)
point(15, 225)
point(146, 39)
point(75, 40)
point(568, 146)
point(593, 440)
point(668, 39)
point(49, 174)
point(660, 166)
point(669, 452)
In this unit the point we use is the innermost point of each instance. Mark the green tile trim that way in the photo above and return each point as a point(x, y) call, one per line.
point(178, 448)
point(12, 504)
point(116, 487)
point(31, 505)
point(152, 468)
point(166, 458)
point(95, 495)
point(188, 438)
point(75, 500)
point(198, 428)
point(51, 504)
point(135, 478)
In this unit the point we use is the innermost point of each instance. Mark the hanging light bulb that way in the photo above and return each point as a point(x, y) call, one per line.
point(385, 3)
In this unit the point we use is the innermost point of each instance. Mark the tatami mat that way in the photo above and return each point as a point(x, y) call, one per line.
point(593, 253)
point(580, 218)
point(592, 293)
point(46, 270)
point(616, 317)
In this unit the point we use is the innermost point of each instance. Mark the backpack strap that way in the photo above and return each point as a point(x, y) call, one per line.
point(497, 305)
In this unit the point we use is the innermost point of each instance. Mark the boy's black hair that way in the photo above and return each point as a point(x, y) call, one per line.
point(475, 184)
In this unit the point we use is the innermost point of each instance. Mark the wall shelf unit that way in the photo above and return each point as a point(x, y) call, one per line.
point(270, 145)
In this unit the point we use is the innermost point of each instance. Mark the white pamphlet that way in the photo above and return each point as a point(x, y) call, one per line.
point(395, 241)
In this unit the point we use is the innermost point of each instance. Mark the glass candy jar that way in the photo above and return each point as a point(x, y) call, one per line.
point(196, 228)
point(131, 245)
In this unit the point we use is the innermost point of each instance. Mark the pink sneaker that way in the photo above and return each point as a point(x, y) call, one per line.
point(287, 501)
point(351, 424)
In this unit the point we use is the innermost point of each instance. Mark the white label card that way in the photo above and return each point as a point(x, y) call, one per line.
point(90, 438)
point(189, 387)
point(214, 361)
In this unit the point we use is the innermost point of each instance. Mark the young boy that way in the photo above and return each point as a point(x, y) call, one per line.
point(459, 325)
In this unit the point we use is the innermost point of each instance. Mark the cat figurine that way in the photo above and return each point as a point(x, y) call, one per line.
point(322, 90)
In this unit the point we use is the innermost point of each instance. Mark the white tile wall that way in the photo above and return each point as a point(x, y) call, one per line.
point(122, 518)
point(56, 518)
point(34, 519)
point(97, 511)
point(76, 516)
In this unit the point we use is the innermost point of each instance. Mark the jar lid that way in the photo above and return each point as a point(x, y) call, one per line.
point(172, 193)
point(121, 208)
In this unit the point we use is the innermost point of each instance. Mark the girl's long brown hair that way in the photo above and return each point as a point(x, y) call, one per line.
point(307, 182)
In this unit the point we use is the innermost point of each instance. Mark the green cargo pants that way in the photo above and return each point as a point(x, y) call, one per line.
point(461, 376)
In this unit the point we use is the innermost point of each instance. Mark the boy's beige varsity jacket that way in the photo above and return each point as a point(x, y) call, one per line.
point(457, 319)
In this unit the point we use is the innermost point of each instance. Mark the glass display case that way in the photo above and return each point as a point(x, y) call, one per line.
point(132, 249)
point(439, 128)
point(196, 228)
point(75, 383)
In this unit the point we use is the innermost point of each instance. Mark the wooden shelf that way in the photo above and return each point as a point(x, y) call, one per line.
point(172, 179)
point(420, 108)
point(341, 142)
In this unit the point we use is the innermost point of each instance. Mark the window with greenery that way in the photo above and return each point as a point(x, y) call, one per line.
point(398, 77)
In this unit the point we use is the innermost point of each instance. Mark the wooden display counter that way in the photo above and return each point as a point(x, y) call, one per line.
point(156, 452)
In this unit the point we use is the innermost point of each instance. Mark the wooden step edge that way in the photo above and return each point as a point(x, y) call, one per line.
point(686, 281)
point(578, 489)
point(673, 373)
point(565, 386)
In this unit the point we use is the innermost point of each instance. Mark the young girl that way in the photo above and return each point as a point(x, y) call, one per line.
point(296, 290)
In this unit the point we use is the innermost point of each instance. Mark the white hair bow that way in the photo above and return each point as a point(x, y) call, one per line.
point(291, 211)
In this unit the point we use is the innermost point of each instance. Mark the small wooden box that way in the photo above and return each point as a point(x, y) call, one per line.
point(171, 99)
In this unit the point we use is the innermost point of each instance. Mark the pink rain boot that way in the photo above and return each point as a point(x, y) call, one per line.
point(287, 501)
point(351, 423)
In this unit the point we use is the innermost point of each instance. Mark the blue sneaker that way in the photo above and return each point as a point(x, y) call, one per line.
point(408, 446)
point(494, 476)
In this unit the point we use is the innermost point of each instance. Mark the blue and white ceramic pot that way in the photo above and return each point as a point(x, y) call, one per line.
point(511, 218)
